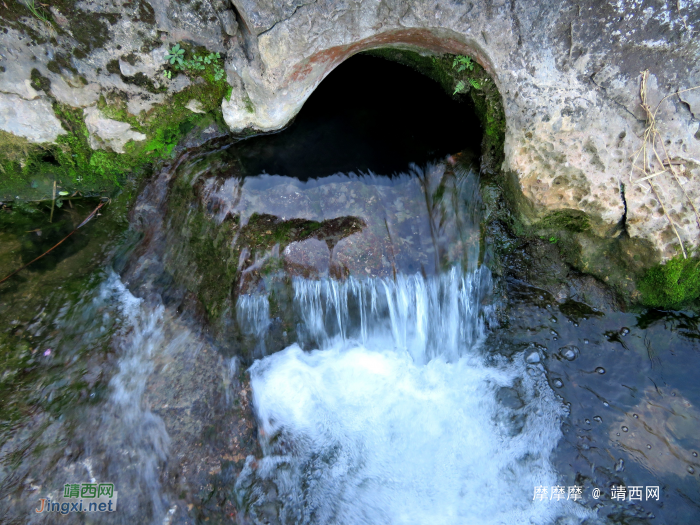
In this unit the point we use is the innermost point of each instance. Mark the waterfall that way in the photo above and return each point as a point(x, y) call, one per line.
point(389, 410)
point(427, 319)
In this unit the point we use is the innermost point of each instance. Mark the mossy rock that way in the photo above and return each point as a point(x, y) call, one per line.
point(672, 285)
point(74, 165)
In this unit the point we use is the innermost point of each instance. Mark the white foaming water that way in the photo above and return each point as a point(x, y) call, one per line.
point(395, 419)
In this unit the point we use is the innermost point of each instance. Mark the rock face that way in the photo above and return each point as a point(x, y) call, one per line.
point(33, 119)
point(106, 133)
point(568, 72)
point(569, 75)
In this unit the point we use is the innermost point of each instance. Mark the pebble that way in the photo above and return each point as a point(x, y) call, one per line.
point(598, 419)
point(558, 383)
point(569, 352)
point(625, 429)
point(533, 358)
point(600, 370)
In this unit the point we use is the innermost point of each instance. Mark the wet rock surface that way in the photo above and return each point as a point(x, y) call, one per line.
point(628, 382)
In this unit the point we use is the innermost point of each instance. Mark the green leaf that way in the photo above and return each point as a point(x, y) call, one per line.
point(63, 193)
point(459, 87)
point(59, 203)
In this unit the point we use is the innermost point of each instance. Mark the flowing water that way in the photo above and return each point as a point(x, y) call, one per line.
point(391, 414)
point(364, 365)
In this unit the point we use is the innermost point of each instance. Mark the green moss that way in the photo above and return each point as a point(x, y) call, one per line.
point(574, 221)
point(39, 81)
point(61, 63)
point(113, 67)
point(671, 285)
point(76, 166)
point(146, 13)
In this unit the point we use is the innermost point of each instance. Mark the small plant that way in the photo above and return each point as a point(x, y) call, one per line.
point(40, 15)
point(176, 54)
point(462, 63)
point(199, 63)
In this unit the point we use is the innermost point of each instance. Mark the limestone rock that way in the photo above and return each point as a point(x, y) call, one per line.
point(76, 97)
point(262, 16)
point(571, 98)
point(195, 106)
point(109, 134)
point(32, 119)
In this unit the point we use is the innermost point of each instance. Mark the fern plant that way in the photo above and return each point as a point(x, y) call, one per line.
point(460, 64)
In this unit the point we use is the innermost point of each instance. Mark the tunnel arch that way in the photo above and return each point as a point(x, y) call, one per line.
point(269, 104)
point(270, 107)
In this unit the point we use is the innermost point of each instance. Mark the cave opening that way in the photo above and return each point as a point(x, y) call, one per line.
point(369, 114)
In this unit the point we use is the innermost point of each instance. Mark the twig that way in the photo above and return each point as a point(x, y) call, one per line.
point(87, 219)
point(649, 152)
point(53, 201)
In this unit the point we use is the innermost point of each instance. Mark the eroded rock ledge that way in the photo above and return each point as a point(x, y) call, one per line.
point(568, 73)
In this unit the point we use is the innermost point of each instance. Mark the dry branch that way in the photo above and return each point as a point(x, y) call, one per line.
point(649, 154)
